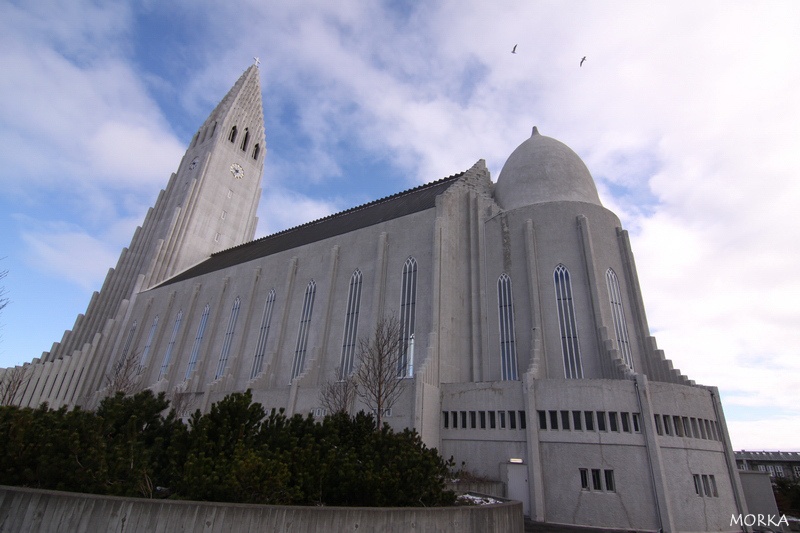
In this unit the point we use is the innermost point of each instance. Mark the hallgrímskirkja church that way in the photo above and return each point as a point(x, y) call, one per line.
point(526, 349)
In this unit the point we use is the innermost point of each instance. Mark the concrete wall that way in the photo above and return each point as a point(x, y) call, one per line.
point(45, 511)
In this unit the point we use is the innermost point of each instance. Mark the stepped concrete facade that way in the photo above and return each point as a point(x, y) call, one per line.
point(526, 350)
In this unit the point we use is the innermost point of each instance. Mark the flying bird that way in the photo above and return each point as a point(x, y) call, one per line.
point(582, 60)
point(514, 50)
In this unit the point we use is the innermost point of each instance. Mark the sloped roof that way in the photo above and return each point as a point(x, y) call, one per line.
point(388, 208)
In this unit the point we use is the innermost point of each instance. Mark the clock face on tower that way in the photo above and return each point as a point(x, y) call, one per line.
point(237, 171)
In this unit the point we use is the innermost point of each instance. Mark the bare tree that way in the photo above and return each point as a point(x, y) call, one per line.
point(12, 383)
point(124, 375)
point(337, 395)
point(379, 375)
point(181, 401)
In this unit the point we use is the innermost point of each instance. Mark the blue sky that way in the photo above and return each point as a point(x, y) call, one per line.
point(686, 113)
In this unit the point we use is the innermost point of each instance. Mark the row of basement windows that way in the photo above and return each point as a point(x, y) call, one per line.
point(705, 485)
point(590, 421)
point(684, 426)
point(483, 419)
point(598, 480)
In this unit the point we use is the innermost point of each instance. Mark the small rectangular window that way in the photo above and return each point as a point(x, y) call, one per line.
point(612, 421)
point(707, 424)
point(445, 419)
point(713, 481)
point(576, 420)
point(719, 435)
point(697, 488)
point(659, 430)
point(473, 422)
point(609, 475)
point(512, 419)
point(564, 419)
point(626, 423)
point(492, 424)
point(706, 486)
point(588, 417)
point(584, 478)
point(223, 215)
point(636, 427)
point(667, 425)
point(687, 428)
point(482, 416)
point(502, 419)
point(553, 419)
point(703, 434)
point(464, 419)
point(713, 430)
point(601, 420)
point(216, 237)
point(678, 426)
point(597, 480)
point(695, 431)
point(522, 420)
point(454, 417)
point(542, 419)
point(230, 193)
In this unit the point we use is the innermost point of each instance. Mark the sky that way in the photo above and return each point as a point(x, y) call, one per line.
point(686, 113)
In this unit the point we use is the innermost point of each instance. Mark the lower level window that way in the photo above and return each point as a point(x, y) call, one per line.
point(597, 479)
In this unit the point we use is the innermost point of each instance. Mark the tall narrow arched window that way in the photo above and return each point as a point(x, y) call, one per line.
point(408, 307)
point(150, 336)
point(570, 348)
point(168, 353)
point(256, 148)
point(350, 338)
point(617, 311)
point(508, 350)
point(198, 339)
point(246, 138)
point(232, 135)
point(126, 348)
point(226, 342)
point(261, 347)
point(302, 332)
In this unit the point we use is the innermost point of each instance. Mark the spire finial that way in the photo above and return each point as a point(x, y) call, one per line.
point(535, 131)
point(257, 61)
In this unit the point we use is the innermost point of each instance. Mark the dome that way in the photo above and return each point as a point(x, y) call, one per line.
point(543, 169)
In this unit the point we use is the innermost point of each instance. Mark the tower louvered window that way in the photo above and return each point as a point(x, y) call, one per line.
point(150, 336)
point(226, 343)
point(302, 332)
point(168, 354)
point(263, 334)
point(198, 339)
point(570, 348)
point(351, 326)
point(232, 135)
point(408, 303)
point(245, 139)
point(508, 350)
point(618, 312)
point(256, 149)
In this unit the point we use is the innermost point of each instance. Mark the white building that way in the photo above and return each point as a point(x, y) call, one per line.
point(532, 359)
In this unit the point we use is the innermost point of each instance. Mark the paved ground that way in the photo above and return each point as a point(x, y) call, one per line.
point(539, 527)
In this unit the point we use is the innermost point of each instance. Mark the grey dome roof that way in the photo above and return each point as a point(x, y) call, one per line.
point(543, 169)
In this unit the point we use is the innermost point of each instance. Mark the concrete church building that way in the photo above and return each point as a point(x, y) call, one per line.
point(527, 350)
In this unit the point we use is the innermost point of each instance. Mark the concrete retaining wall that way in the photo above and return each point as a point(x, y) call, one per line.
point(51, 511)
